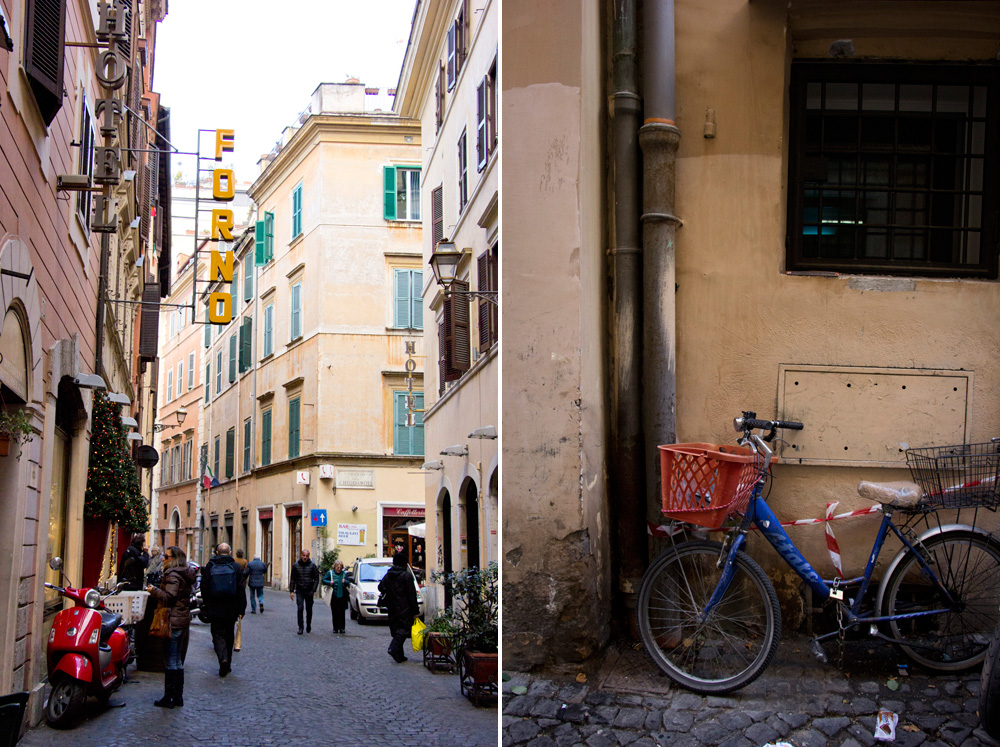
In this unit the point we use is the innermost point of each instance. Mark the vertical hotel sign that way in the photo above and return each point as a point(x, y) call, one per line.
point(220, 305)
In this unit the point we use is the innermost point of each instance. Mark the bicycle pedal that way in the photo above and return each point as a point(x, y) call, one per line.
point(817, 651)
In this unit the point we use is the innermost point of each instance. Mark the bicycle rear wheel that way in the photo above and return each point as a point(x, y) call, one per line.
point(968, 566)
point(730, 648)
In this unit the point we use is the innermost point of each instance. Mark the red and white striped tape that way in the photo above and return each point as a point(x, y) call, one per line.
point(668, 530)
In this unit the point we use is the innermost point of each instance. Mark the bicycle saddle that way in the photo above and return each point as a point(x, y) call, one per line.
point(901, 494)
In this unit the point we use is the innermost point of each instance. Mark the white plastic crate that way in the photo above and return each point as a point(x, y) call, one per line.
point(131, 605)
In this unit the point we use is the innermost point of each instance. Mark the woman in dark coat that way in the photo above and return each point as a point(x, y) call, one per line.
point(174, 593)
point(336, 579)
point(401, 599)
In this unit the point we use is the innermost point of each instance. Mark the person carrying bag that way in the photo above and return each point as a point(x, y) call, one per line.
point(174, 597)
point(336, 579)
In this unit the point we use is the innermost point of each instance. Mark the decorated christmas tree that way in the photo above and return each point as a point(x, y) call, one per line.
point(112, 485)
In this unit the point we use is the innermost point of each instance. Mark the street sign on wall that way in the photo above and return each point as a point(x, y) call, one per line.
point(318, 517)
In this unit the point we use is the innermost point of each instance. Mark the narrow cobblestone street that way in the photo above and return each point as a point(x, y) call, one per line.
point(286, 689)
point(627, 701)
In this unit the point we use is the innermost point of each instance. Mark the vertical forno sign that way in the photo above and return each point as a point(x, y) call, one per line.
point(220, 305)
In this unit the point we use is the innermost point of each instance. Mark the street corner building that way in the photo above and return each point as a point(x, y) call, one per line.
point(82, 245)
point(712, 207)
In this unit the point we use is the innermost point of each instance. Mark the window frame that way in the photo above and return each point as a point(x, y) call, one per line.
point(806, 72)
point(191, 370)
point(296, 211)
point(463, 171)
point(295, 311)
point(268, 330)
point(400, 428)
point(295, 427)
point(413, 301)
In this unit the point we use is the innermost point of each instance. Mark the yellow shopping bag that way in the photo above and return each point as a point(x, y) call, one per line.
point(417, 634)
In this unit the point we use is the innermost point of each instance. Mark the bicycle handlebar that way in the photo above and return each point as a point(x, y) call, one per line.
point(750, 422)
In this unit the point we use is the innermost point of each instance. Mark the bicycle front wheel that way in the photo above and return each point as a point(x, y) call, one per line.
point(967, 565)
point(732, 646)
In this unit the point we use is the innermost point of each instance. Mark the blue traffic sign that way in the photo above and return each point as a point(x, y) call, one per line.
point(318, 517)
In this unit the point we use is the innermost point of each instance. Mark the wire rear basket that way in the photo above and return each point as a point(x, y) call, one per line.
point(131, 605)
point(704, 484)
point(960, 476)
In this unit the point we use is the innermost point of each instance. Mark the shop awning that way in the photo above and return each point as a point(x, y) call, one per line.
point(418, 530)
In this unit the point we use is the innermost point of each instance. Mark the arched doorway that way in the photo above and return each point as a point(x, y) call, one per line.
point(494, 512)
point(445, 560)
point(471, 516)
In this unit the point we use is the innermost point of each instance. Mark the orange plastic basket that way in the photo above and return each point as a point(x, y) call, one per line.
point(704, 483)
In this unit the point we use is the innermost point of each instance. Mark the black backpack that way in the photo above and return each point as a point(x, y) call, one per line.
point(225, 580)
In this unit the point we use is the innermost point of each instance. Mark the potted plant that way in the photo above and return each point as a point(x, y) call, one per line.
point(476, 612)
point(439, 642)
point(16, 428)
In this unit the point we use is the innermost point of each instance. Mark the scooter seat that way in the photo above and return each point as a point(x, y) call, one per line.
point(109, 623)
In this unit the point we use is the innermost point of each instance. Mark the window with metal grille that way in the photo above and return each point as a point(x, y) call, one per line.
point(892, 169)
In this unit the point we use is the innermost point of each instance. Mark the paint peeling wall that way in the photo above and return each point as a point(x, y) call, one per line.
point(555, 538)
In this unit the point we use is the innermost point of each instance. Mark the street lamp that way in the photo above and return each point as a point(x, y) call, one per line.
point(180, 413)
point(444, 262)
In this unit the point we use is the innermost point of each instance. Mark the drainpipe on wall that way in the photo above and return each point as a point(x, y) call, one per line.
point(658, 138)
point(628, 507)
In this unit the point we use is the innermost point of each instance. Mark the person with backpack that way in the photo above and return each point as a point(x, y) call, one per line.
point(303, 582)
point(225, 601)
point(256, 574)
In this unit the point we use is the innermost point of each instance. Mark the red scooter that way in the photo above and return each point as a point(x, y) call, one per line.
point(88, 652)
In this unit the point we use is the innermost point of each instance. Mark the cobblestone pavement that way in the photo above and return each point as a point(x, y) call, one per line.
point(626, 701)
point(286, 689)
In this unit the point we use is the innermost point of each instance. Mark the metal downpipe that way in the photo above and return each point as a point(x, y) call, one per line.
point(659, 138)
point(628, 501)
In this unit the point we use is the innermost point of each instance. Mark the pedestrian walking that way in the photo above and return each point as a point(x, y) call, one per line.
point(132, 568)
point(225, 602)
point(242, 562)
point(336, 579)
point(302, 584)
point(401, 599)
point(256, 573)
point(174, 592)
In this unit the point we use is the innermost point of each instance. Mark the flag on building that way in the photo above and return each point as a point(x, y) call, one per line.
point(209, 480)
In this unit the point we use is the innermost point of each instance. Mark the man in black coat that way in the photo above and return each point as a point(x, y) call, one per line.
point(303, 582)
point(132, 569)
point(223, 594)
point(401, 599)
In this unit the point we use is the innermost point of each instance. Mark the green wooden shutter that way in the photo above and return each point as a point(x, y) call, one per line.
point(401, 298)
point(416, 299)
point(389, 190)
point(400, 438)
point(242, 343)
point(246, 338)
point(247, 436)
point(230, 451)
point(268, 329)
point(296, 321)
point(268, 237)
point(247, 282)
point(208, 330)
point(232, 358)
point(296, 211)
point(208, 382)
point(258, 244)
point(265, 438)
point(418, 427)
point(216, 461)
point(234, 288)
point(293, 427)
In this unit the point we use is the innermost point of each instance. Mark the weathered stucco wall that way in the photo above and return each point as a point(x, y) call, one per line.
point(555, 537)
point(740, 315)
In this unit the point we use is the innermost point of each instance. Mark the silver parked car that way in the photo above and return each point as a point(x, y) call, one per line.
point(363, 594)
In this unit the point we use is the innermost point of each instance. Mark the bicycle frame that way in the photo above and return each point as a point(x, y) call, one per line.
point(759, 514)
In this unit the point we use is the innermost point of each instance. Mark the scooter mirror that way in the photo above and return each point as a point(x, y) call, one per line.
point(56, 563)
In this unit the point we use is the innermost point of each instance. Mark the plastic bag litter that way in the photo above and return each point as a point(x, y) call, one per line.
point(885, 726)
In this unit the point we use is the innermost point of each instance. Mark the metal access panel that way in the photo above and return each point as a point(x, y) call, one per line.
point(869, 416)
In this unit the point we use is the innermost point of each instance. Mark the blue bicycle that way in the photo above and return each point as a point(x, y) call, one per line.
point(709, 615)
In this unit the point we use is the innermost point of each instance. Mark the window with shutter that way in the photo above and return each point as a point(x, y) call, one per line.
point(215, 471)
point(268, 329)
point(268, 237)
point(455, 355)
point(437, 215)
point(85, 166)
point(491, 108)
point(461, 31)
point(247, 440)
point(234, 287)
point(246, 344)
point(439, 93)
point(389, 192)
point(294, 407)
point(45, 36)
point(247, 281)
point(208, 382)
point(452, 55)
point(170, 385)
point(265, 438)
point(296, 316)
point(230, 451)
point(232, 357)
point(180, 378)
point(218, 373)
point(408, 311)
point(407, 440)
point(258, 244)
point(297, 210)
point(487, 280)
point(482, 151)
point(190, 385)
point(208, 329)
point(463, 174)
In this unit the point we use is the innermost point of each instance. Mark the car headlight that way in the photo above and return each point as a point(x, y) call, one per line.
point(369, 596)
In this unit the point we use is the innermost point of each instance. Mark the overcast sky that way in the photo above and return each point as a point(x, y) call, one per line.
point(251, 65)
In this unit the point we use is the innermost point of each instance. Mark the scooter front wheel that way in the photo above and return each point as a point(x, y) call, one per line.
point(64, 701)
